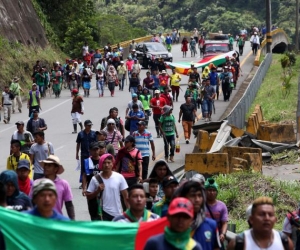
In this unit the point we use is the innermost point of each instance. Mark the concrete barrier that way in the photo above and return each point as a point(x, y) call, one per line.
point(283, 133)
point(207, 163)
point(254, 161)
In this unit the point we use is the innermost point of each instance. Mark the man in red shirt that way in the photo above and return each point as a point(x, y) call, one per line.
point(157, 103)
point(168, 98)
point(163, 80)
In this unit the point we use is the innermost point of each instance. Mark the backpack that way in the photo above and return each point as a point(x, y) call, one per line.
point(226, 79)
point(124, 153)
point(11, 96)
point(240, 241)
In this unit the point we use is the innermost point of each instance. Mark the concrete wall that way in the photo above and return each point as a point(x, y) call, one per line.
point(19, 22)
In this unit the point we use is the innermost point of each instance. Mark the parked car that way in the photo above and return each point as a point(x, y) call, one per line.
point(147, 50)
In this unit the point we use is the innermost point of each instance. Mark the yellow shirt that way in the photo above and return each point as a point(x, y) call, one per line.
point(175, 79)
point(12, 163)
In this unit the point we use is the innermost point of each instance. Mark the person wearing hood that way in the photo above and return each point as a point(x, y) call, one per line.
point(15, 199)
point(167, 126)
point(159, 172)
point(205, 72)
point(204, 230)
point(145, 98)
point(112, 77)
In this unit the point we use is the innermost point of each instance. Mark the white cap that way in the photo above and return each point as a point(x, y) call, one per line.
point(255, 33)
point(157, 92)
point(163, 72)
point(122, 62)
point(111, 121)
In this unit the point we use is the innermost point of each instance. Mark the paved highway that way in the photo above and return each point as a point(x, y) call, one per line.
point(56, 112)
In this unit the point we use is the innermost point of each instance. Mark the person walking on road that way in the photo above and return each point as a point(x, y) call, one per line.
point(142, 139)
point(261, 235)
point(36, 123)
point(134, 100)
point(38, 152)
point(207, 95)
point(254, 40)
point(77, 110)
point(113, 114)
point(111, 79)
point(167, 126)
point(175, 79)
point(25, 137)
point(135, 115)
point(114, 136)
point(226, 78)
point(44, 196)
point(84, 139)
point(157, 103)
point(240, 43)
point(16, 89)
point(16, 156)
point(178, 234)
point(188, 112)
point(34, 99)
point(137, 211)
point(7, 104)
point(108, 185)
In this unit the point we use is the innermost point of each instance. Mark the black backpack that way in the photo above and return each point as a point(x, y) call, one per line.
point(226, 79)
point(240, 241)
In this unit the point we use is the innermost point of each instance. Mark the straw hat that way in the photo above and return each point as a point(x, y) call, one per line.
point(55, 160)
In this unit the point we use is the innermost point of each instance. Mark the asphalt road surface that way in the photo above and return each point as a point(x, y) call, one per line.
point(56, 113)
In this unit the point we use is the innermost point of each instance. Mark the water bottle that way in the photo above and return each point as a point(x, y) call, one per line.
point(177, 147)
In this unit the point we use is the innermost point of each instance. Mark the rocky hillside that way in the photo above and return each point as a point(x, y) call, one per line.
point(20, 23)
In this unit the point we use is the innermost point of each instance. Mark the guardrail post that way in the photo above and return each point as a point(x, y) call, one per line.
point(298, 112)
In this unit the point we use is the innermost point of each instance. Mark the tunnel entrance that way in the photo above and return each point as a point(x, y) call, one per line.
point(280, 48)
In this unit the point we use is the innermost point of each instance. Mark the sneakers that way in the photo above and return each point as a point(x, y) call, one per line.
point(74, 132)
point(209, 118)
point(187, 141)
point(206, 119)
point(172, 159)
point(158, 136)
point(166, 159)
point(5, 121)
point(20, 110)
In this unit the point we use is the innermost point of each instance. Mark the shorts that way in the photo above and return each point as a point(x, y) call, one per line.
point(76, 117)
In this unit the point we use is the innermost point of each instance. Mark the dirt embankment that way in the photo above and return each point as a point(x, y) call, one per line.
point(19, 22)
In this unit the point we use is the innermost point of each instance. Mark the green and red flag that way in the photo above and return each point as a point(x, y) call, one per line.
point(24, 231)
point(183, 67)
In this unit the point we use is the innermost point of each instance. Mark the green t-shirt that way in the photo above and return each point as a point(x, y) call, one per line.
point(168, 124)
point(15, 88)
point(231, 40)
point(39, 79)
point(146, 103)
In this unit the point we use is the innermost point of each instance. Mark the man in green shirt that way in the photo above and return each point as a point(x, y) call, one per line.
point(15, 89)
point(167, 126)
point(40, 78)
point(240, 43)
point(231, 41)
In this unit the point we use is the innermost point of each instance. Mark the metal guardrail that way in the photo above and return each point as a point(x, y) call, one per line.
point(237, 115)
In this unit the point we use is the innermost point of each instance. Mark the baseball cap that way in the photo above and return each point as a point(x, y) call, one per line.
point(134, 95)
point(181, 205)
point(157, 92)
point(142, 123)
point(122, 62)
point(35, 111)
point(211, 183)
point(198, 177)
point(23, 164)
point(111, 121)
point(41, 185)
point(130, 138)
point(75, 91)
point(34, 84)
point(94, 145)
point(169, 180)
point(88, 122)
point(163, 72)
point(19, 123)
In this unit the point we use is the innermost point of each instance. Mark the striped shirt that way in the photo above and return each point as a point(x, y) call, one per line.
point(123, 219)
point(142, 142)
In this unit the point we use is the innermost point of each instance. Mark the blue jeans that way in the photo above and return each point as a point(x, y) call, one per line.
point(133, 90)
point(42, 90)
point(100, 85)
point(170, 139)
point(206, 106)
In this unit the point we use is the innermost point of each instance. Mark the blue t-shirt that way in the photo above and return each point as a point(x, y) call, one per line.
point(85, 141)
point(55, 215)
point(213, 76)
point(206, 234)
point(134, 123)
point(156, 81)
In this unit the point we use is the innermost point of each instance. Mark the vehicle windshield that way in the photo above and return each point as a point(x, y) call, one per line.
point(216, 48)
point(155, 47)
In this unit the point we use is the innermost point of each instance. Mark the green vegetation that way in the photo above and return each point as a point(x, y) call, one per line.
point(102, 21)
point(239, 190)
point(275, 107)
point(18, 60)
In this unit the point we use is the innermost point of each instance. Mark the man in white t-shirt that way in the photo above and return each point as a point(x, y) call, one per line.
point(107, 186)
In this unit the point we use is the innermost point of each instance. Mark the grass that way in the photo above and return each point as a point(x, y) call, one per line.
point(239, 190)
point(18, 60)
point(270, 97)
